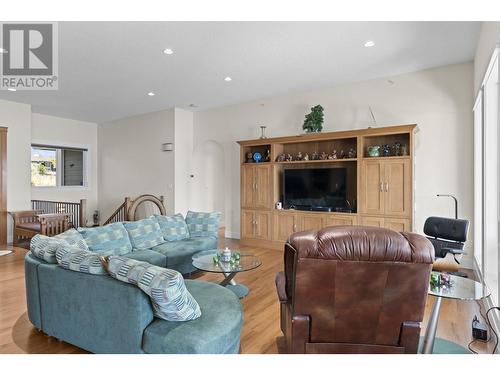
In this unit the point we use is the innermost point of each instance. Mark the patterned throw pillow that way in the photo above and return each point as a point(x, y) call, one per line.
point(45, 248)
point(174, 227)
point(76, 259)
point(144, 234)
point(111, 239)
point(169, 296)
point(73, 238)
point(203, 224)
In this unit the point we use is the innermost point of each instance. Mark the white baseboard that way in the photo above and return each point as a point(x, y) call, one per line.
point(233, 235)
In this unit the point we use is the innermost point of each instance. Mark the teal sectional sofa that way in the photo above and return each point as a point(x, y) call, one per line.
point(103, 315)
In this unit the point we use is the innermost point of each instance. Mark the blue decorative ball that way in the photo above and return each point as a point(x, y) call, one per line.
point(257, 157)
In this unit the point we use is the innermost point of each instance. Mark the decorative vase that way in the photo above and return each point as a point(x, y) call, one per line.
point(373, 151)
point(263, 129)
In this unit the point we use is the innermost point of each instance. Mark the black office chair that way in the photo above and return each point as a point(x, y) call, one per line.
point(448, 237)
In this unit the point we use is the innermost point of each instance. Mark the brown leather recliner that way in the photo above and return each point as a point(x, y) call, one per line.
point(353, 289)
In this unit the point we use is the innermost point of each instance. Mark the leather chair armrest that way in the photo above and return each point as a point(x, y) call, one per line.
point(281, 287)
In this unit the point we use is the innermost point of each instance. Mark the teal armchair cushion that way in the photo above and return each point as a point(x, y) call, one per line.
point(203, 224)
point(144, 234)
point(169, 296)
point(111, 239)
point(217, 331)
point(75, 259)
point(174, 227)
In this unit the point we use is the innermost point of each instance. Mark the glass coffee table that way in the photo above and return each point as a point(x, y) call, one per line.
point(204, 261)
point(460, 288)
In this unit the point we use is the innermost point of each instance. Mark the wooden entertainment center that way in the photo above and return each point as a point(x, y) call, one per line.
point(379, 188)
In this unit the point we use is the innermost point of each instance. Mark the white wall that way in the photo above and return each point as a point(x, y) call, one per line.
point(132, 161)
point(489, 37)
point(183, 146)
point(438, 100)
point(17, 118)
point(59, 131)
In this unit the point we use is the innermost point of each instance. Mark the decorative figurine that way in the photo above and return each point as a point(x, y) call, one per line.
point(226, 255)
point(386, 150)
point(373, 151)
point(299, 156)
point(249, 157)
point(396, 149)
point(315, 156)
point(334, 155)
point(281, 158)
point(289, 157)
point(257, 156)
point(330, 157)
point(323, 156)
point(404, 150)
point(306, 157)
point(268, 155)
point(342, 154)
point(351, 154)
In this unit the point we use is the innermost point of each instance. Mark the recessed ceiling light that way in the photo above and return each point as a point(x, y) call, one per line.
point(151, 93)
point(228, 79)
point(369, 43)
point(3, 50)
point(11, 89)
point(168, 51)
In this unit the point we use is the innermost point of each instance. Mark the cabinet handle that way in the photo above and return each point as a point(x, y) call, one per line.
point(386, 187)
point(381, 186)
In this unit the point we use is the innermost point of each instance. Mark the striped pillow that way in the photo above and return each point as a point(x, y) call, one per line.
point(45, 248)
point(110, 239)
point(174, 227)
point(203, 224)
point(75, 259)
point(74, 238)
point(144, 234)
point(165, 287)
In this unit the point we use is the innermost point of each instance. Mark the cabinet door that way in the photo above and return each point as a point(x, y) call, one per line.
point(314, 222)
point(397, 187)
point(372, 195)
point(263, 188)
point(372, 221)
point(284, 225)
point(247, 224)
point(399, 225)
point(341, 220)
point(247, 186)
point(262, 225)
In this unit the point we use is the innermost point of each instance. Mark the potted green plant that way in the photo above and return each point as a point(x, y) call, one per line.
point(313, 122)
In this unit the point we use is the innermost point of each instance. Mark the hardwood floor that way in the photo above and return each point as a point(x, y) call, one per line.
point(261, 332)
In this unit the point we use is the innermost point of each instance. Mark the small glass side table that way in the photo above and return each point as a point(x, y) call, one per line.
point(204, 261)
point(461, 288)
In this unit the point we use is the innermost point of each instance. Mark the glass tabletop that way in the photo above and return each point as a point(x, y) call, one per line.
point(459, 288)
point(205, 261)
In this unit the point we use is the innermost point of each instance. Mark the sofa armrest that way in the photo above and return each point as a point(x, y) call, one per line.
point(281, 287)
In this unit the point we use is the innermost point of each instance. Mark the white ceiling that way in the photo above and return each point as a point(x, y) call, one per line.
point(106, 69)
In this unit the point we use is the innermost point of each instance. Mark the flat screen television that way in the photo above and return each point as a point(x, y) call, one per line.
point(321, 189)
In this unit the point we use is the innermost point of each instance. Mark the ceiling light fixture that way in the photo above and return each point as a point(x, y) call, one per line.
point(168, 51)
point(11, 89)
point(151, 93)
point(369, 43)
point(228, 79)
